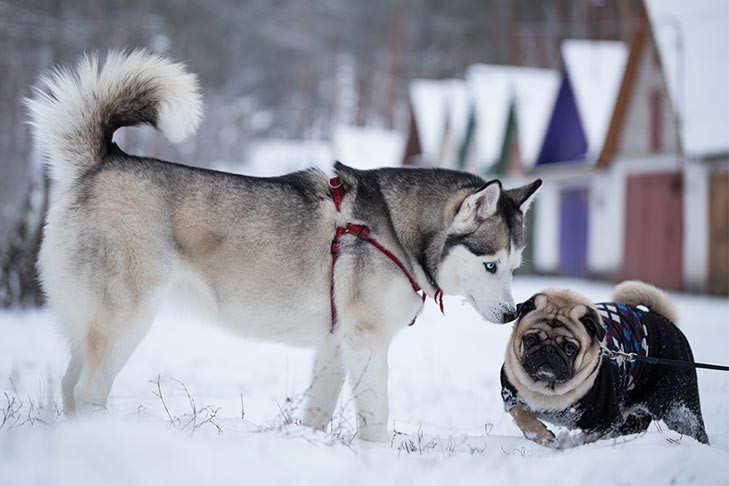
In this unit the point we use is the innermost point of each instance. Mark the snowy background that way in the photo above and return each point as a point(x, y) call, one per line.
point(444, 395)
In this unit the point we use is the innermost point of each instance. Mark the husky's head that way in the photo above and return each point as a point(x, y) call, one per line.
point(483, 247)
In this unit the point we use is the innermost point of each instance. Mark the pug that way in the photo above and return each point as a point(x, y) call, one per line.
point(562, 366)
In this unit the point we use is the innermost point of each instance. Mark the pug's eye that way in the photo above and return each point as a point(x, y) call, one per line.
point(569, 348)
point(490, 267)
point(530, 340)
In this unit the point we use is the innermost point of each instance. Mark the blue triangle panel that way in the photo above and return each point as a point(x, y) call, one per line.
point(565, 140)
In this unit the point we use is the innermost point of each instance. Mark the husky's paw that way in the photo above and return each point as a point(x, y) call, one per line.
point(316, 420)
point(374, 434)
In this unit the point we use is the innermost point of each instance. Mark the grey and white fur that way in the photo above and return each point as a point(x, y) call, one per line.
point(127, 230)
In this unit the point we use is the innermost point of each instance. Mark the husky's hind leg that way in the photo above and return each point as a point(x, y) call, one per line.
point(106, 348)
point(326, 384)
point(73, 371)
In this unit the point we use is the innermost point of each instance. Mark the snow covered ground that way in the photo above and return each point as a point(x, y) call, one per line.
point(239, 424)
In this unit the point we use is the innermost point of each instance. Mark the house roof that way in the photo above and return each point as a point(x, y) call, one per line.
point(637, 43)
point(595, 70)
point(692, 40)
point(440, 108)
point(564, 139)
point(493, 88)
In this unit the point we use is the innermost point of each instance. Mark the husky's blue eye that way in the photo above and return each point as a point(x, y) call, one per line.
point(490, 267)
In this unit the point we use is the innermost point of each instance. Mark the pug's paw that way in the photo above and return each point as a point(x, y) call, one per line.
point(567, 439)
point(542, 436)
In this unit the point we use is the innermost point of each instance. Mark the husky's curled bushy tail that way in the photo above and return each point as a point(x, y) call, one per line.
point(75, 112)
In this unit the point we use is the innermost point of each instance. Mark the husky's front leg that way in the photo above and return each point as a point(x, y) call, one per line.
point(326, 384)
point(365, 357)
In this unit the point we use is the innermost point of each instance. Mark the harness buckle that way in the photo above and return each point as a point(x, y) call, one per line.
point(363, 231)
point(335, 183)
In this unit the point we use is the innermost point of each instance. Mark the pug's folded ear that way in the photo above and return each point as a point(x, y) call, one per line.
point(593, 324)
point(529, 305)
point(525, 307)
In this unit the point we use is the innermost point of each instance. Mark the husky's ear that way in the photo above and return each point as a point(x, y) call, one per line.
point(524, 195)
point(478, 206)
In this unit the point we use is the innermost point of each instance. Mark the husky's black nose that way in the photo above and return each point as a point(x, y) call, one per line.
point(509, 316)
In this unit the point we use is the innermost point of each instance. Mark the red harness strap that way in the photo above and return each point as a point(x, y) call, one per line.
point(362, 232)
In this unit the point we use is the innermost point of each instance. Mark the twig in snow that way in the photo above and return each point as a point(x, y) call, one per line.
point(159, 395)
point(193, 421)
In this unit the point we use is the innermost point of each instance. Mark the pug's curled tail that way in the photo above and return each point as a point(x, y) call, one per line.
point(635, 292)
point(74, 113)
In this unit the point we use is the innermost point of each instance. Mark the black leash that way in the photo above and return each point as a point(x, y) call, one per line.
point(611, 354)
point(678, 362)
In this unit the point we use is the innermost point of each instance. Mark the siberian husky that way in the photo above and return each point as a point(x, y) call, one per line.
point(125, 230)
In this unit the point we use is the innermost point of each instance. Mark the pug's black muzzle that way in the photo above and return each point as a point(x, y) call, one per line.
point(547, 364)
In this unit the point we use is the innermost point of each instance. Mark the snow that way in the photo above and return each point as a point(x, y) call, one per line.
point(444, 391)
point(595, 70)
point(493, 89)
point(441, 110)
point(692, 40)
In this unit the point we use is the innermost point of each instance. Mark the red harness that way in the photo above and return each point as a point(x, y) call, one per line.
point(362, 232)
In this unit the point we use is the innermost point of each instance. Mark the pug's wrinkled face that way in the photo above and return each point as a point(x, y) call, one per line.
point(555, 346)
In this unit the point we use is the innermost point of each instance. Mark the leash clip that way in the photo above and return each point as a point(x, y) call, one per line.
point(615, 354)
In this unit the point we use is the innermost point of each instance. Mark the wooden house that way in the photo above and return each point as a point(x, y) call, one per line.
point(511, 109)
point(669, 141)
point(643, 140)
point(439, 116)
point(569, 213)
point(472, 124)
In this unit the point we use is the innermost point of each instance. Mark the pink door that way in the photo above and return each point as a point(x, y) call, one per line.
point(654, 230)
